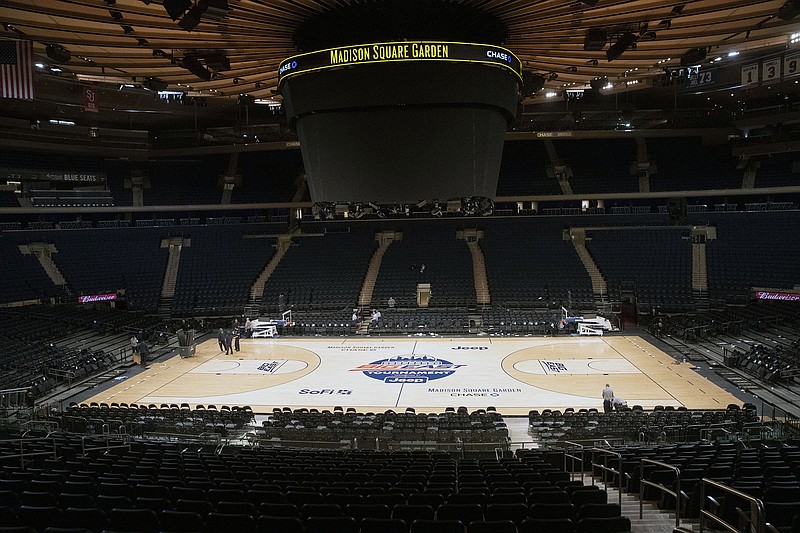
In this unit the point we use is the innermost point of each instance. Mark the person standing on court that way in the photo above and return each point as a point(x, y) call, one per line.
point(221, 340)
point(608, 399)
point(228, 342)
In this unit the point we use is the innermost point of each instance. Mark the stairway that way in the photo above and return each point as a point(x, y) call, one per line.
point(257, 289)
point(599, 284)
point(175, 245)
point(385, 239)
point(44, 254)
point(699, 274)
point(654, 520)
point(479, 274)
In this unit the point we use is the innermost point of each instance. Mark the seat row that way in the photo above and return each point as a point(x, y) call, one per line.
point(46, 519)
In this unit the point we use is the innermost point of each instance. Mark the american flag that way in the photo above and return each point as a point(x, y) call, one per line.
point(16, 70)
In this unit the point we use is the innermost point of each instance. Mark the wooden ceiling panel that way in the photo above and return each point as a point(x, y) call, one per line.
point(257, 34)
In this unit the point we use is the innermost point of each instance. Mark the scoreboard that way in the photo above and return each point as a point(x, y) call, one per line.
point(399, 52)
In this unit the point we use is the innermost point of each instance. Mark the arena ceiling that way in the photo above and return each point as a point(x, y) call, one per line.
point(130, 40)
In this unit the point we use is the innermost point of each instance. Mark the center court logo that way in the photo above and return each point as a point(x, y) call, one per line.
point(408, 369)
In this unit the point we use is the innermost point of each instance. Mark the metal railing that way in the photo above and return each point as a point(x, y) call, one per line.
point(708, 433)
point(283, 443)
point(47, 426)
point(571, 447)
point(187, 438)
point(126, 444)
point(606, 469)
point(23, 454)
point(757, 516)
point(570, 452)
point(674, 493)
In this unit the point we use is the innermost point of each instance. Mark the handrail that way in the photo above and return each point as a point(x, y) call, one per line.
point(757, 518)
point(710, 430)
point(676, 493)
point(605, 469)
point(49, 425)
point(108, 437)
point(184, 437)
point(571, 455)
point(23, 454)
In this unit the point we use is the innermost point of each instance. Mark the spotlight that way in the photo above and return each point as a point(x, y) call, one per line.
point(598, 83)
point(485, 206)
point(58, 53)
point(357, 210)
point(246, 100)
point(625, 41)
point(192, 17)
point(194, 66)
point(154, 84)
point(216, 9)
point(532, 83)
point(789, 10)
point(595, 39)
point(218, 62)
point(176, 8)
point(694, 56)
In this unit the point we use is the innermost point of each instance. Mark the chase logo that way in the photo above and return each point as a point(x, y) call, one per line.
point(287, 67)
point(408, 369)
point(492, 54)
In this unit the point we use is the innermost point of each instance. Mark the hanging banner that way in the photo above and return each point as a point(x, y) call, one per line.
point(791, 66)
point(750, 74)
point(90, 98)
point(771, 71)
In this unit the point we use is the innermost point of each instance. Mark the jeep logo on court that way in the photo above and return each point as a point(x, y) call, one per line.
point(408, 369)
point(469, 348)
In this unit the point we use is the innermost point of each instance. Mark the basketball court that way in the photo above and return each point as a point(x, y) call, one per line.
point(429, 374)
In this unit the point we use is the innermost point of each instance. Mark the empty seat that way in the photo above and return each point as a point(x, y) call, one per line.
point(492, 526)
point(437, 526)
point(180, 521)
point(134, 520)
point(230, 522)
point(331, 524)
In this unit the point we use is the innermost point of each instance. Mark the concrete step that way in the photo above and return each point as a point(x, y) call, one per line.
point(654, 520)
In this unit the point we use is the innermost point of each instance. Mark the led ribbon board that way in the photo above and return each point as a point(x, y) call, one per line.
point(399, 51)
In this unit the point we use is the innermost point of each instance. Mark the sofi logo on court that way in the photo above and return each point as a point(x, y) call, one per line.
point(408, 369)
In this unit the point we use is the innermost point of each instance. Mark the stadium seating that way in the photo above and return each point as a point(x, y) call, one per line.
point(534, 251)
point(185, 181)
point(323, 271)
point(749, 251)
point(267, 176)
point(110, 260)
point(657, 261)
point(699, 165)
point(23, 277)
point(447, 266)
point(599, 165)
point(522, 170)
point(218, 268)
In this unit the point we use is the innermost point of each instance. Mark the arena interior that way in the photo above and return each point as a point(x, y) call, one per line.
point(410, 266)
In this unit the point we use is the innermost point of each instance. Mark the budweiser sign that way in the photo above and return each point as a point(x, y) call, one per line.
point(785, 296)
point(96, 298)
